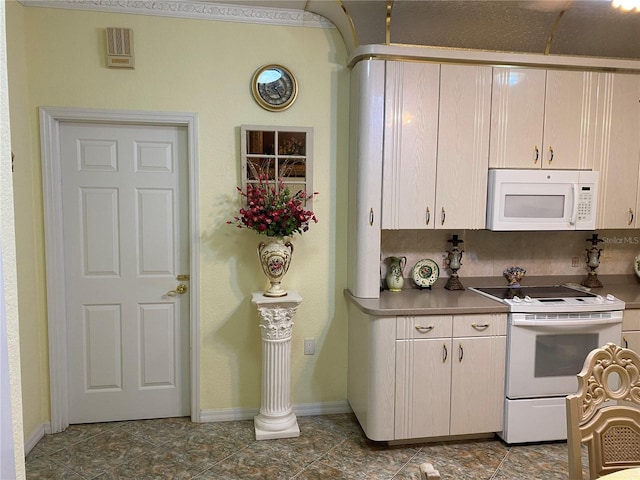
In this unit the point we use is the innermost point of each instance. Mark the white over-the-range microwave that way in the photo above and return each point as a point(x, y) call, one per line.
point(542, 199)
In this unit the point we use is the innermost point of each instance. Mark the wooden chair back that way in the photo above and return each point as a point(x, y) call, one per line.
point(604, 414)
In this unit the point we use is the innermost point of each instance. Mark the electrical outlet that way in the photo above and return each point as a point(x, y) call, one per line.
point(575, 261)
point(309, 346)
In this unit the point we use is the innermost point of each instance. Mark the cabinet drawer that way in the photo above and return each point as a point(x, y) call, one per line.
point(631, 320)
point(423, 326)
point(480, 325)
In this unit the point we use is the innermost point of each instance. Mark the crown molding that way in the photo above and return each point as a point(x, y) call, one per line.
point(193, 9)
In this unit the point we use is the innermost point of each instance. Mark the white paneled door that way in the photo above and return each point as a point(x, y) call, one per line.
point(125, 223)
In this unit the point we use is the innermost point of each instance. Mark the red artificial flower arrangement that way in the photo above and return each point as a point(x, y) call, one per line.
point(272, 210)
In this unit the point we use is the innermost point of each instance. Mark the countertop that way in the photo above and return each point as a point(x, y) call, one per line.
point(439, 301)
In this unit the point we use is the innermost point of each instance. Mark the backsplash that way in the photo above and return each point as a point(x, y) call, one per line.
point(488, 254)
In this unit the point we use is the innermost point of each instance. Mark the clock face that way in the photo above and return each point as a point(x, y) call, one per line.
point(274, 87)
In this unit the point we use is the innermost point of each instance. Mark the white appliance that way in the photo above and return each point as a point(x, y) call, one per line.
point(550, 331)
point(542, 199)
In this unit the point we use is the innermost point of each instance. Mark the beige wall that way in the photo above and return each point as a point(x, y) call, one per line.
point(204, 67)
point(29, 229)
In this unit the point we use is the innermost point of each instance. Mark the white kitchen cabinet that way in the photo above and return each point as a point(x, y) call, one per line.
point(463, 146)
point(619, 152)
point(543, 118)
point(443, 382)
point(365, 178)
point(478, 375)
point(631, 330)
point(423, 376)
point(371, 372)
point(410, 145)
point(435, 145)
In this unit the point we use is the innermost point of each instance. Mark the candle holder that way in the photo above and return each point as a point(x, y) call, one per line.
point(592, 258)
point(454, 258)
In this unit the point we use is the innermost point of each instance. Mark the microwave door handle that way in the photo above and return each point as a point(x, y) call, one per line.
point(574, 209)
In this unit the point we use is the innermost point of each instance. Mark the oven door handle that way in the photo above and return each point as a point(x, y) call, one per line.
point(569, 323)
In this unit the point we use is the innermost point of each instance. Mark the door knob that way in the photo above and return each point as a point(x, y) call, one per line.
point(180, 290)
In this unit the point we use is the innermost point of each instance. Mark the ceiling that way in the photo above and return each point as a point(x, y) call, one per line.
point(591, 28)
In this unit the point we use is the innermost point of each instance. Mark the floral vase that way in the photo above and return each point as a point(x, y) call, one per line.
point(275, 256)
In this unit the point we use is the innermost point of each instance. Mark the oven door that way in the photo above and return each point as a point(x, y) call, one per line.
point(547, 351)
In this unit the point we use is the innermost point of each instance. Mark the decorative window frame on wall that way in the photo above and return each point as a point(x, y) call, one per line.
point(278, 152)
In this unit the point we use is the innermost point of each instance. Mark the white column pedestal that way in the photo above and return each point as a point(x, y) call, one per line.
point(276, 418)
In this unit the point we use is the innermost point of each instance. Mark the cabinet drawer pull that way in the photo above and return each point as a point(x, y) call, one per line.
point(443, 216)
point(428, 216)
point(480, 326)
point(371, 217)
point(550, 155)
point(445, 353)
point(537, 157)
point(422, 329)
point(460, 353)
point(626, 344)
point(630, 217)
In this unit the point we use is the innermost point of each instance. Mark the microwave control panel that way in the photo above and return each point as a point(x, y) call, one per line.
point(585, 202)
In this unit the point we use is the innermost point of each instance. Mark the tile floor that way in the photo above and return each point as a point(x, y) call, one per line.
point(329, 447)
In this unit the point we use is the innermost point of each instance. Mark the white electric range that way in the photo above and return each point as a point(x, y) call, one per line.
point(550, 331)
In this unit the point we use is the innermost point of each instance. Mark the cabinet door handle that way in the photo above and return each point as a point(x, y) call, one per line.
point(626, 344)
point(443, 215)
point(428, 216)
point(445, 353)
point(550, 155)
point(537, 157)
point(630, 217)
point(460, 353)
point(480, 326)
point(371, 217)
point(422, 329)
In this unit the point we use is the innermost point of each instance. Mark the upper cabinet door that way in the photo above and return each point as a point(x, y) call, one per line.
point(517, 116)
point(543, 119)
point(463, 146)
point(619, 151)
point(410, 145)
point(569, 120)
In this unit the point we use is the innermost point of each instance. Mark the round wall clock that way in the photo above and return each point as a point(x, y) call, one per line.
point(274, 87)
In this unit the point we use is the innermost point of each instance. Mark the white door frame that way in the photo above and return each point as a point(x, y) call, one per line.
point(50, 120)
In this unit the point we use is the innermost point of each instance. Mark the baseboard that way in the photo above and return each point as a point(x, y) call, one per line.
point(302, 410)
point(324, 408)
point(35, 436)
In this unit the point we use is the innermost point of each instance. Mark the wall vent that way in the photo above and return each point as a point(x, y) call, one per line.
point(119, 47)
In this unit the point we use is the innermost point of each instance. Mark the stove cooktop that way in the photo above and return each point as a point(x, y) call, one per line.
point(551, 299)
point(553, 291)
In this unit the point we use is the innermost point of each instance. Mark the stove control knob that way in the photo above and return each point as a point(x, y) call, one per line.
point(599, 299)
point(527, 299)
point(610, 298)
point(516, 299)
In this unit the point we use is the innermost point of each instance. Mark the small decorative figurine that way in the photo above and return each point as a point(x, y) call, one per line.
point(395, 280)
point(592, 258)
point(514, 275)
point(454, 258)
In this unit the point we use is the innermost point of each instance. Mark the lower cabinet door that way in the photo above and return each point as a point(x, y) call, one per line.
point(631, 340)
point(477, 384)
point(423, 386)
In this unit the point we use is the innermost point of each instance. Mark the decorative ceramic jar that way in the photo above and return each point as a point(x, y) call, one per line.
point(275, 257)
point(395, 280)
